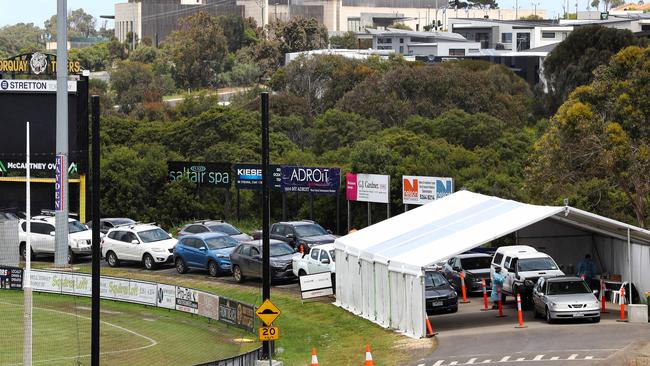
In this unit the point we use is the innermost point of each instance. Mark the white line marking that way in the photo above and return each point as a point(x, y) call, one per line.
point(453, 363)
point(152, 342)
point(521, 359)
point(555, 358)
point(421, 364)
point(471, 361)
point(486, 361)
point(589, 357)
point(538, 357)
point(505, 359)
point(438, 363)
point(573, 356)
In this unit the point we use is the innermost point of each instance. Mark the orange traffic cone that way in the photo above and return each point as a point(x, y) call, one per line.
point(368, 357)
point(314, 359)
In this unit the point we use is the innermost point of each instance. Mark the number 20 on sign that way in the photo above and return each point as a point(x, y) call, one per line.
point(269, 333)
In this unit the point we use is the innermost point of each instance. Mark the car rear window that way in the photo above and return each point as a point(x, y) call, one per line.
point(150, 236)
point(310, 230)
point(475, 263)
point(221, 242)
point(225, 228)
point(280, 249)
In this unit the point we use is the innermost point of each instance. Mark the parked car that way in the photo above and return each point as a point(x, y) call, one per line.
point(319, 259)
point(43, 237)
point(304, 232)
point(106, 224)
point(475, 266)
point(522, 266)
point(246, 260)
point(206, 226)
point(145, 243)
point(209, 251)
point(565, 298)
point(440, 296)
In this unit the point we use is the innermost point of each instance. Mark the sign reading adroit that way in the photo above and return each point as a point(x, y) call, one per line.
point(311, 179)
point(367, 187)
point(249, 176)
point(418, 190)
point(201, 173)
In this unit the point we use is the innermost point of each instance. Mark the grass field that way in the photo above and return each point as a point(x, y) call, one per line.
point(130, 334)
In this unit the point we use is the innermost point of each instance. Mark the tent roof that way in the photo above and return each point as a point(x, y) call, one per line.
point(459, 222)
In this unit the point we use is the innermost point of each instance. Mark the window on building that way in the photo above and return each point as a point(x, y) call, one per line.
point(401, 49)
point(401, 40)
point(484, 38)
point(456, 52)
point(384, 40)
point(473, 50)
point(506, 37)
point(548, 35)
point(354, 24)
point(523, 41)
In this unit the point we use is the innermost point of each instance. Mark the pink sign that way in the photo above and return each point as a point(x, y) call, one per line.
point(351, 186)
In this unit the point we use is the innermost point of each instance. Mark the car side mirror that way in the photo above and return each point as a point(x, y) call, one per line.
point(290, 236)
point(203, 249)
point(456, 268)
point(257, 257)
point(329, 231)
point(325, 261)
point(52, 233)
point(595, 292)
point(518, 277)
point(135, 242)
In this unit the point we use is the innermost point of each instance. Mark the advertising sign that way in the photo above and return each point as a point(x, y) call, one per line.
point(208, 305)
point(34, 86)
point(166, 296)
point(367, 187)
point(420, 190)
point(316, 285)
point(11, 278)
point(187, 300)
point(201, 173)
point(235, 313)
point(36, 63)
point(249, 176)
point(311, 179)
point(129, 290)
point(59, 191)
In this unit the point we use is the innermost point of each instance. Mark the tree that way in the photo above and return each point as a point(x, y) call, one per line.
point(239, 32)
point(531, 17)
point(300, 34)
point(20, 38)
point(573, 61)
point(198, 50)
point(334, 129)
point(93, 58)
point(607, 4)
point(347, 40)
point(601, 134)
point(483, 4)
point(135, 82)
point(80, 24)
point(144, 54)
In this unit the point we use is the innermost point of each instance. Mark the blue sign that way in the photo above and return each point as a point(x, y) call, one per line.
point(249, 176)
point(311, 179)
point(59, 192)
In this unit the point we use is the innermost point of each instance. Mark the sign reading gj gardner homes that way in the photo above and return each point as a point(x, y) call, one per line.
point(418, 190)
point(367, 187)
point(311, 179)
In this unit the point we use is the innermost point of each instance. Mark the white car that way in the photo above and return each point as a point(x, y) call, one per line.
point(145, 243)
point(320, 259)
point(42, 237)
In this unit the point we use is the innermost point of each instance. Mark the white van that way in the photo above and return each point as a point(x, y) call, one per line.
point(522, 265)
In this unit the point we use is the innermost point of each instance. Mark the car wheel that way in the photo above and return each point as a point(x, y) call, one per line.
point(23, 253)
point(301, 272)
point(180, 266)
point(148, 262)
point(548, 316)
point(213, 269)
point(112, 260)
point(71, 256)
point(596, 319)
point(454, 310)
point(237, 274)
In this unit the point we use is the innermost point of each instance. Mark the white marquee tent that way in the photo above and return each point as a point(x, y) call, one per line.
point(379, 269)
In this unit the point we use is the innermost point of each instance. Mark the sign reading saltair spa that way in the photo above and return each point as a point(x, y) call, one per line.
point(201, 173)
point(36, 63)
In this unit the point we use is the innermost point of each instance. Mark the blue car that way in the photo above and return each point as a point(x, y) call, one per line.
point(209, 251)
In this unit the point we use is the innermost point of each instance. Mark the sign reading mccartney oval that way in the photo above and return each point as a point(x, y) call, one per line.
point(201, 173)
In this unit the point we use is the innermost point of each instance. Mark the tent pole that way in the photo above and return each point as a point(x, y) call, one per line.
point(349, 218)
point(629, 262)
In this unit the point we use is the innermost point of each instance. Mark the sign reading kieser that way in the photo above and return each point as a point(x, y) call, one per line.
point(249, 176)
point(325, 181)
point(418, 190)
point(367, 187)
point(201, 173)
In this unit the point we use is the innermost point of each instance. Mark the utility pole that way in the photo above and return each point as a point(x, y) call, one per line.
point(27, 287)
point(61, 184)
point(96, 252)
point(266, 246)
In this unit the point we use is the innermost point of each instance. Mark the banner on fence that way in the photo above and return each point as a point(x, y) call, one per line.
point(11, 278)
point(236, 313)
point(166, 296)
point(367, 187)
point(418, 190)
point(325, 181)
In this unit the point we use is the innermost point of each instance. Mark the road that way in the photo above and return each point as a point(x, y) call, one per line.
point(472, 336)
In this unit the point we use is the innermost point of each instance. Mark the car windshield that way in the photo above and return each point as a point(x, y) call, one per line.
point(434, 279)
point(536, 264)
point(310, 230)
point(149, 236)
point(221, 242)
point(76, 226)
point(332, 255)
point(280, 249)
point(225, 228)
point(567, 288)
point(475, 263)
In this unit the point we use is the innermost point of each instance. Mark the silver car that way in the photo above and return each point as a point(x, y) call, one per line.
point(565, 298)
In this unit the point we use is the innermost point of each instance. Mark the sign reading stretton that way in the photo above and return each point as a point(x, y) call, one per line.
point(36, 63)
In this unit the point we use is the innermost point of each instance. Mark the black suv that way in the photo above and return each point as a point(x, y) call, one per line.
point(305, 232)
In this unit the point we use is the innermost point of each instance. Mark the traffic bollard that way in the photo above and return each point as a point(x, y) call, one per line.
point(603, 308)
point(485, 298)
point(500, 303)
point(622, 300)
point(462, 288)
point(520, 315)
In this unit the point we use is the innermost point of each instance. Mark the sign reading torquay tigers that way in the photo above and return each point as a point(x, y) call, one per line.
point(36, 63)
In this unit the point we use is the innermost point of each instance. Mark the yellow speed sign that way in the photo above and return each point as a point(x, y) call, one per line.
point(269, 333)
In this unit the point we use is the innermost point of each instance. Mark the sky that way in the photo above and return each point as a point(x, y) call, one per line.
point(37, 11)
